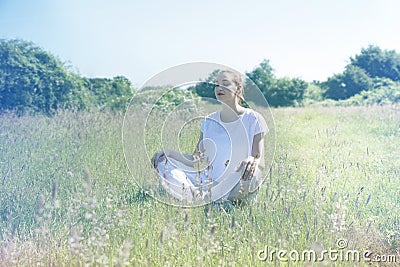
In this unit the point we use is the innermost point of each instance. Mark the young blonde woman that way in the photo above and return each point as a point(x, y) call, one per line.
point(231, 142)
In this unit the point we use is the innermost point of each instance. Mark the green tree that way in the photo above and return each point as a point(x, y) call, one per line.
point(385, 91)
point(378, 63)
point(31, 78)
point(262, 76)
point(206, 88)
point(286, 92)
point(313, 93)
point(344, 85)
point(278, 92)
point(109, 93)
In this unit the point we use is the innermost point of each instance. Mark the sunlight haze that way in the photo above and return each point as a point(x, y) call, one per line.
point(311, 40)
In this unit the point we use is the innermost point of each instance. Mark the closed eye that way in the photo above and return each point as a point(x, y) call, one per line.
point(215, 85)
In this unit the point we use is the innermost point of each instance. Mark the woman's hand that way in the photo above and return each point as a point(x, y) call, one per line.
point(156, 158)
point(250, 165)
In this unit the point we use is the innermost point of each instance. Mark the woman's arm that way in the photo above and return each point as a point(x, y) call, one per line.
point(187, 159)
point(256, 158)
point(258, 149)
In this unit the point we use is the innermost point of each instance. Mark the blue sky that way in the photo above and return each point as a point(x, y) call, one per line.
point(309, 39)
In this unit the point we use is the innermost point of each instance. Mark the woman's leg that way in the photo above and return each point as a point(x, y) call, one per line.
point(177, 182)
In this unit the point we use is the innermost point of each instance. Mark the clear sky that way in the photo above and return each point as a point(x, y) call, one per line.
point(309, 39)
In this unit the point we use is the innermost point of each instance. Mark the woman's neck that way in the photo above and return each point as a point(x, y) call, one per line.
point(231, 112)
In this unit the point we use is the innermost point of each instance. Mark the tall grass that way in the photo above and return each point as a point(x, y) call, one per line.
point(67, 197)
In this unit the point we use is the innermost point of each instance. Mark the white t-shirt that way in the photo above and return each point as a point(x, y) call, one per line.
point(227, 144)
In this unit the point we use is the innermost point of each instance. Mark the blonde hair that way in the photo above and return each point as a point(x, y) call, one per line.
point(237, 79)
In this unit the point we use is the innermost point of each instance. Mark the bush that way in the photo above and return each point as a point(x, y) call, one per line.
point(381, 95)
point(33, 80)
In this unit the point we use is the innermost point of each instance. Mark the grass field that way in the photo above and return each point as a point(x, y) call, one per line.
point(67, 198)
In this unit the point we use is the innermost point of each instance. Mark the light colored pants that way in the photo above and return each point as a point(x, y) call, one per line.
point(184, 185)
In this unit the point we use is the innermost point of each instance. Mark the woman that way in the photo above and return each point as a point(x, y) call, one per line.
point(231, 144)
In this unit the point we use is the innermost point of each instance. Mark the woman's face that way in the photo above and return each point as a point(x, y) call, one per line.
point(226, 89)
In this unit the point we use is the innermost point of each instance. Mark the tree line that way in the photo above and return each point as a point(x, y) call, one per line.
point(371, 77)
point(32, 79)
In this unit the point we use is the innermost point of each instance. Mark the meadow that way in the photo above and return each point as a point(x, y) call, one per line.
point(68, 199)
